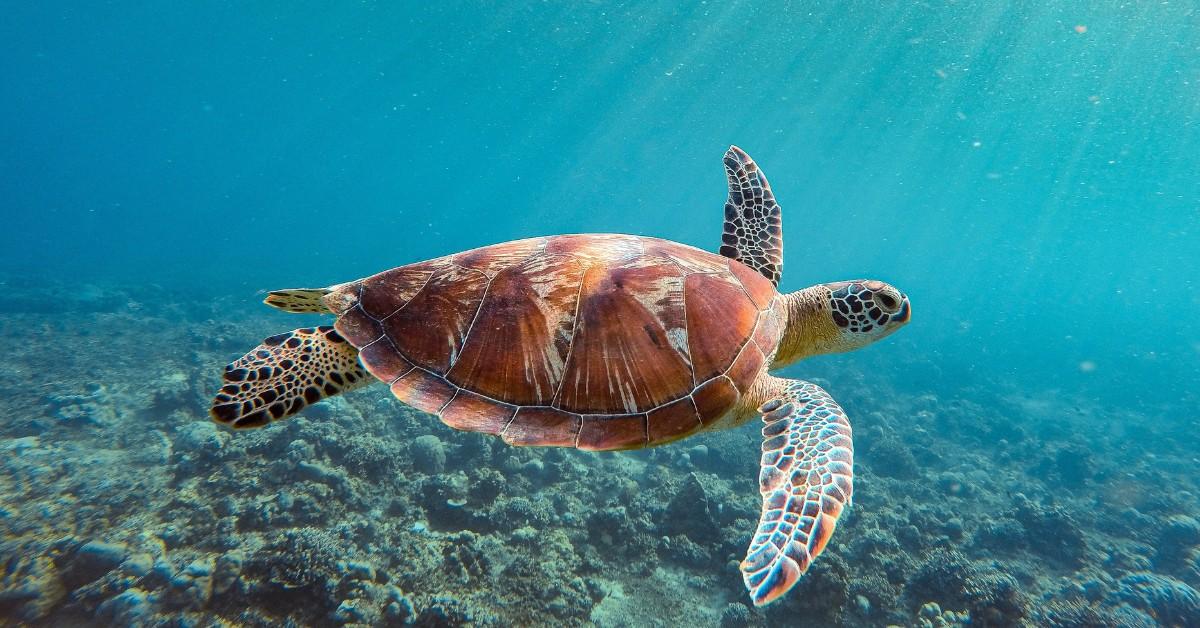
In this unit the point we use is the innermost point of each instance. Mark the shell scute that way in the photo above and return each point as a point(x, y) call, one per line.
point(691, 260)
point(519, 343)
point(745, 367)
point(605, 248)
point(383, 361)
point(476, 413)
point(492, 260)
point(759, 288)
point(767, 334)
point(715, 397)
point(542, 426)
point(605, 433)
point(424, 391)
point(430, 329)
point(383, 294)
point(622, 359)
point(673, 421)
point(358, 327)
point(721, 319)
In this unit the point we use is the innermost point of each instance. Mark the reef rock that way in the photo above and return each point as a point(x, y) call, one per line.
point(132, 607)
point(29, 582)
point(428, 454)
point(689, 513)
point(92, 560)
point(1180, 534)
point(1172, 602)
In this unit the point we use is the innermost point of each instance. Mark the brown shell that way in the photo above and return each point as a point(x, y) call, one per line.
point(590, 341)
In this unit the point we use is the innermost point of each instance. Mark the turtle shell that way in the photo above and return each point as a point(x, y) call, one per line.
point(590, 341)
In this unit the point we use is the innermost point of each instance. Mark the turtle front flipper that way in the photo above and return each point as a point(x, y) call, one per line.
point(806, 479)
point(286, 373)
point(753, 233)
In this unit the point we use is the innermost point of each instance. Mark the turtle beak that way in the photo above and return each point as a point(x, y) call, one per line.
point(904, 314)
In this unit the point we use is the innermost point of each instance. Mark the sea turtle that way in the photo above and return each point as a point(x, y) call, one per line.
point(602, 342)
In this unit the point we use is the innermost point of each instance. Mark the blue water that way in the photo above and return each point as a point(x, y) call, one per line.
point(1029, 173)
point(1033, 188)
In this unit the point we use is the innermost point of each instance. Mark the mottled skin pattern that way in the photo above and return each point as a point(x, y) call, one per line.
point(601, 342)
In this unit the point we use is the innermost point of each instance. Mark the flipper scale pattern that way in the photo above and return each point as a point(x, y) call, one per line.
point(753, 231)
point(806, 480)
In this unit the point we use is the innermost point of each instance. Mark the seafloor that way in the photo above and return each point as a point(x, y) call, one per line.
point(122, 504)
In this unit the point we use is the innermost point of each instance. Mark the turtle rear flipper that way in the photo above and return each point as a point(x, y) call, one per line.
point(286, 373)
point(299, 300)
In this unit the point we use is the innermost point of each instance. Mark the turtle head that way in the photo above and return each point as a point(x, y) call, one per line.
point(839, 317)
point(866, 310)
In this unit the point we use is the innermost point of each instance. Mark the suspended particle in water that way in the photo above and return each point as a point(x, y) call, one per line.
point(1080, 28)
point(1087, 366)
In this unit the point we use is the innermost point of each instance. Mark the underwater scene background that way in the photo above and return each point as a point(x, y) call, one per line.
point(1027, 174)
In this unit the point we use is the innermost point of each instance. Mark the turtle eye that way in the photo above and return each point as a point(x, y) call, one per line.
point(887, 301)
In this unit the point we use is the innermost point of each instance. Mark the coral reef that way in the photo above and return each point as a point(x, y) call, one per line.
point(1075, 613)
point(1168, 600)
point(1175, 543)
point(30, 585)
point(122, 504)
